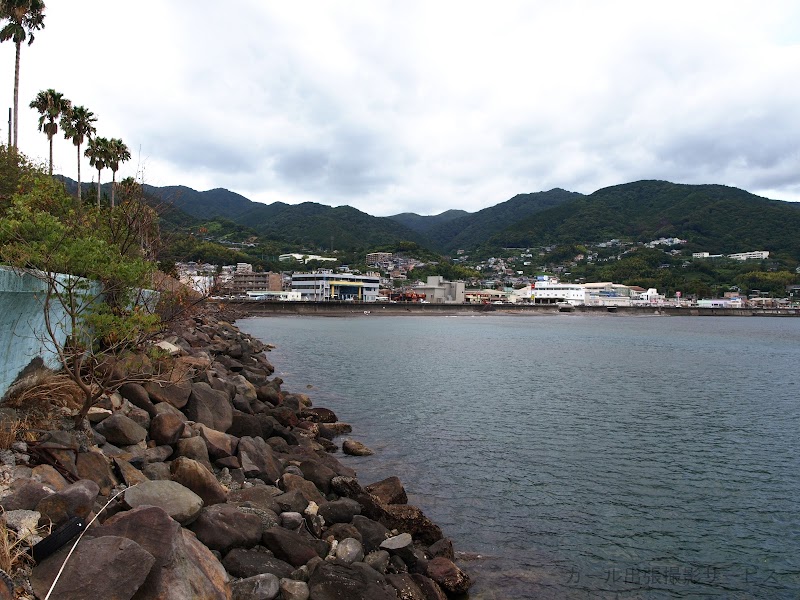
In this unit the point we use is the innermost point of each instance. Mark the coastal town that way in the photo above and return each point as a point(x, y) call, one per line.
point(508, 281)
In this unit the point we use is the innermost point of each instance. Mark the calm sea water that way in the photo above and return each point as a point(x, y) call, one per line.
point(576, 456)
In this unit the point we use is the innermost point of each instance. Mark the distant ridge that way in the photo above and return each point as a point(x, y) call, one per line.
point(713, 218)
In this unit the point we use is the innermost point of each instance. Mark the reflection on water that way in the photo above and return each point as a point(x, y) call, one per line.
point(579, 456)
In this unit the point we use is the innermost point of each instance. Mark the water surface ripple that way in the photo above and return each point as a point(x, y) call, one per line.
point(579, 456)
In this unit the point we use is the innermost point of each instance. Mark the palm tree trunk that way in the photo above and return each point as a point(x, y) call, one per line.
point(50, 138)
point(113, 185)
point(79, 175)
point(16, 94)
point(98, 188)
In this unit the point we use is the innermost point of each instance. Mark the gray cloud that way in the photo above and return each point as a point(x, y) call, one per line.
point(430, 106)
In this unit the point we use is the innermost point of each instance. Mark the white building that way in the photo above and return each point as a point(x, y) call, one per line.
point(757, 255)
point(305, 258)
point(325, 285)
point(550, 291)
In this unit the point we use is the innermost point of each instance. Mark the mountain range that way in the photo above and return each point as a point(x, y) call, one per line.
point(712, 218)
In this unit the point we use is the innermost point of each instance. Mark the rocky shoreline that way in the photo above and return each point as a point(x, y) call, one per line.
point(208, 480)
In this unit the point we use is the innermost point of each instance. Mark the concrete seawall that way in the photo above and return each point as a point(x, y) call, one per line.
point(261, 307)
point(22, 325)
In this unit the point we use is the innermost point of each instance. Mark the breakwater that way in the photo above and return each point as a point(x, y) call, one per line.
point(266, 307)
point(212, 481)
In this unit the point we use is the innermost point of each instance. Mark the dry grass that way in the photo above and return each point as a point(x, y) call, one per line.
point(13, 550)
point(12, 430)
point(38, 398)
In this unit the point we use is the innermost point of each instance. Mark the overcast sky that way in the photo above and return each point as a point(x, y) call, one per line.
point(426, 105)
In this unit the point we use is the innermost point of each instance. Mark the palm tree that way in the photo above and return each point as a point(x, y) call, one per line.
point(77, 124)
point(24, 17)
point(117, 152)
point(51, 105)
point(99, 155)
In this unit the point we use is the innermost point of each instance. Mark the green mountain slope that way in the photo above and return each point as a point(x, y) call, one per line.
point(424, 223)
point(474, 229)
point(712, 218)
point(310, 225)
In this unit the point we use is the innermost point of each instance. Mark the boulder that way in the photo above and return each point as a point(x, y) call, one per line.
point(259, 587)
point(108, 567)
point(166, 428)
point(259, 496)
point(450, 578)
point(174, 393)
point(429, 588)
point(243, 424)
point(209, 407)
point(49, 476)
point(372, 533)
point(244, 562)
point(319, 474)
point(388, 491)
point(138, 396)
point(194, 448)
point(193, 475)
point(294, 590)
point(329, 581)
point(219, 445)
point(350, 550)
point(95, 466)
point(24, 494)
point(288, 546)
point(406, 587)
point(76, 500)
point(190, 571)
point(222, 527)
point(339, 511)
point(258, 459)
point(121, 430)
point(340, 531)
point(179, 502)
point(406, 517)
point(309, 491)
point(129, 474)
point(354, 448)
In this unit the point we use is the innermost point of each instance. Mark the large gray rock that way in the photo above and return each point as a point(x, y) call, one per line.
point(309, 491)
point(244, 562)
point(258, 460)
point(355, 448)
point(339, 511)
point(108, 567)
point(349, 551)
point(338, 582)
point(75, 500)
point(294, 590)
point(121, 430)
point(223, 527)
point(138, 396)
point(209, 407)
point(95, 466)
point(194, 448)
point(259, 587)
point(179, 502)
point(24, 494)
point(289, 546)
point(195, 476)
point(174, 393)
point(219, 444)
point(372, 533)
